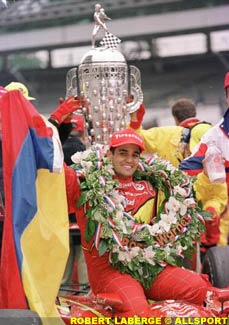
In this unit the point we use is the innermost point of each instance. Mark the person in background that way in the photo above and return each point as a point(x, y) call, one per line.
point(163, 140)
point(184, 113)
point(14, 85)
point(173, 143)
point(193, 165)
point(74, 141)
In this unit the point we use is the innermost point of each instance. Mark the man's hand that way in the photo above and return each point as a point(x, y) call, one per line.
point(137, 117)
point(66, 108)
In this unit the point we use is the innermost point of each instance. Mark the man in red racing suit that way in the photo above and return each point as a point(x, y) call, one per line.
point(172, 282)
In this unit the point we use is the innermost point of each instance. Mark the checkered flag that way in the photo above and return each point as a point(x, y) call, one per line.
point(110, 41)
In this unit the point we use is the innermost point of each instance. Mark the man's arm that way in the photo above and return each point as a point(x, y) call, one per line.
point(193, 165)
point(60, 117)
point(213, 196)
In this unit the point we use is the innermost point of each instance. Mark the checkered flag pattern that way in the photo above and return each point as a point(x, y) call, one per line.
point(110, 41)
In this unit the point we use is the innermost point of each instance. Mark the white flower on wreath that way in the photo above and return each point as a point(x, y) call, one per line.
point(155, 229)
point(190, 202)
point(183, 209)
point(109, 208)
point(102, 148)
point(129, 223)
point(117, 198)
point(86, 165)
point(149, 255)
point(166, 221)
point(134, 252)
point(78, 157)
point(168, 249)
point(179, 249)
point(124, 256)
point(119, 215)
point(179, 190)
point(172, 204)
point(122, 225)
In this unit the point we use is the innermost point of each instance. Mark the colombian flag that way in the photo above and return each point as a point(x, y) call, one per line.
point(35, 238)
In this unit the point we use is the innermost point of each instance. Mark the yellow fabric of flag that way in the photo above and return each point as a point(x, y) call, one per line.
point(45, 245)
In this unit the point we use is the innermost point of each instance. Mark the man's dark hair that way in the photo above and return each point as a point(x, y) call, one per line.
point(70, 147)
point(183, 108)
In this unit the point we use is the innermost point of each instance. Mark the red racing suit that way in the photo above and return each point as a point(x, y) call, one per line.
point(171, 283)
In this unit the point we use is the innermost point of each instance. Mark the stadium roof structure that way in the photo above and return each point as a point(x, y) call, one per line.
point(42, 13)
point(51, 24)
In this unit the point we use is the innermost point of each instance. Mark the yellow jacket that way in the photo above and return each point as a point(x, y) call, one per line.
point(164, 141)
point(211, 195)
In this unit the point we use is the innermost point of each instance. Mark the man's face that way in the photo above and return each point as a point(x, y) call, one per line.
point(125, 159)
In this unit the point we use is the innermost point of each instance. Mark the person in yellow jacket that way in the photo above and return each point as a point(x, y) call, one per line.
point(184, 114)
point(173, 143)
point(167, 143)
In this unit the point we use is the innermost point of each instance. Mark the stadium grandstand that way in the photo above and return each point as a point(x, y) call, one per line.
point(180, 46)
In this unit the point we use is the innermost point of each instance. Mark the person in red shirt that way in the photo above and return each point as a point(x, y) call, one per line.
point(140, 201)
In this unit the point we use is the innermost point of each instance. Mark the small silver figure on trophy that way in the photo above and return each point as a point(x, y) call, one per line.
point(99, 18)
point(105, 82)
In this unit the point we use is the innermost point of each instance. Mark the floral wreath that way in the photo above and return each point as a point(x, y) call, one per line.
point(141, 250)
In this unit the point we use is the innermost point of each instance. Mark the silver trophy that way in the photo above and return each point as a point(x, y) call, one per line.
point(105, 81)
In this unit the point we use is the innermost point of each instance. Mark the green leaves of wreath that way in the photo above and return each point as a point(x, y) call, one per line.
point(138, 249)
